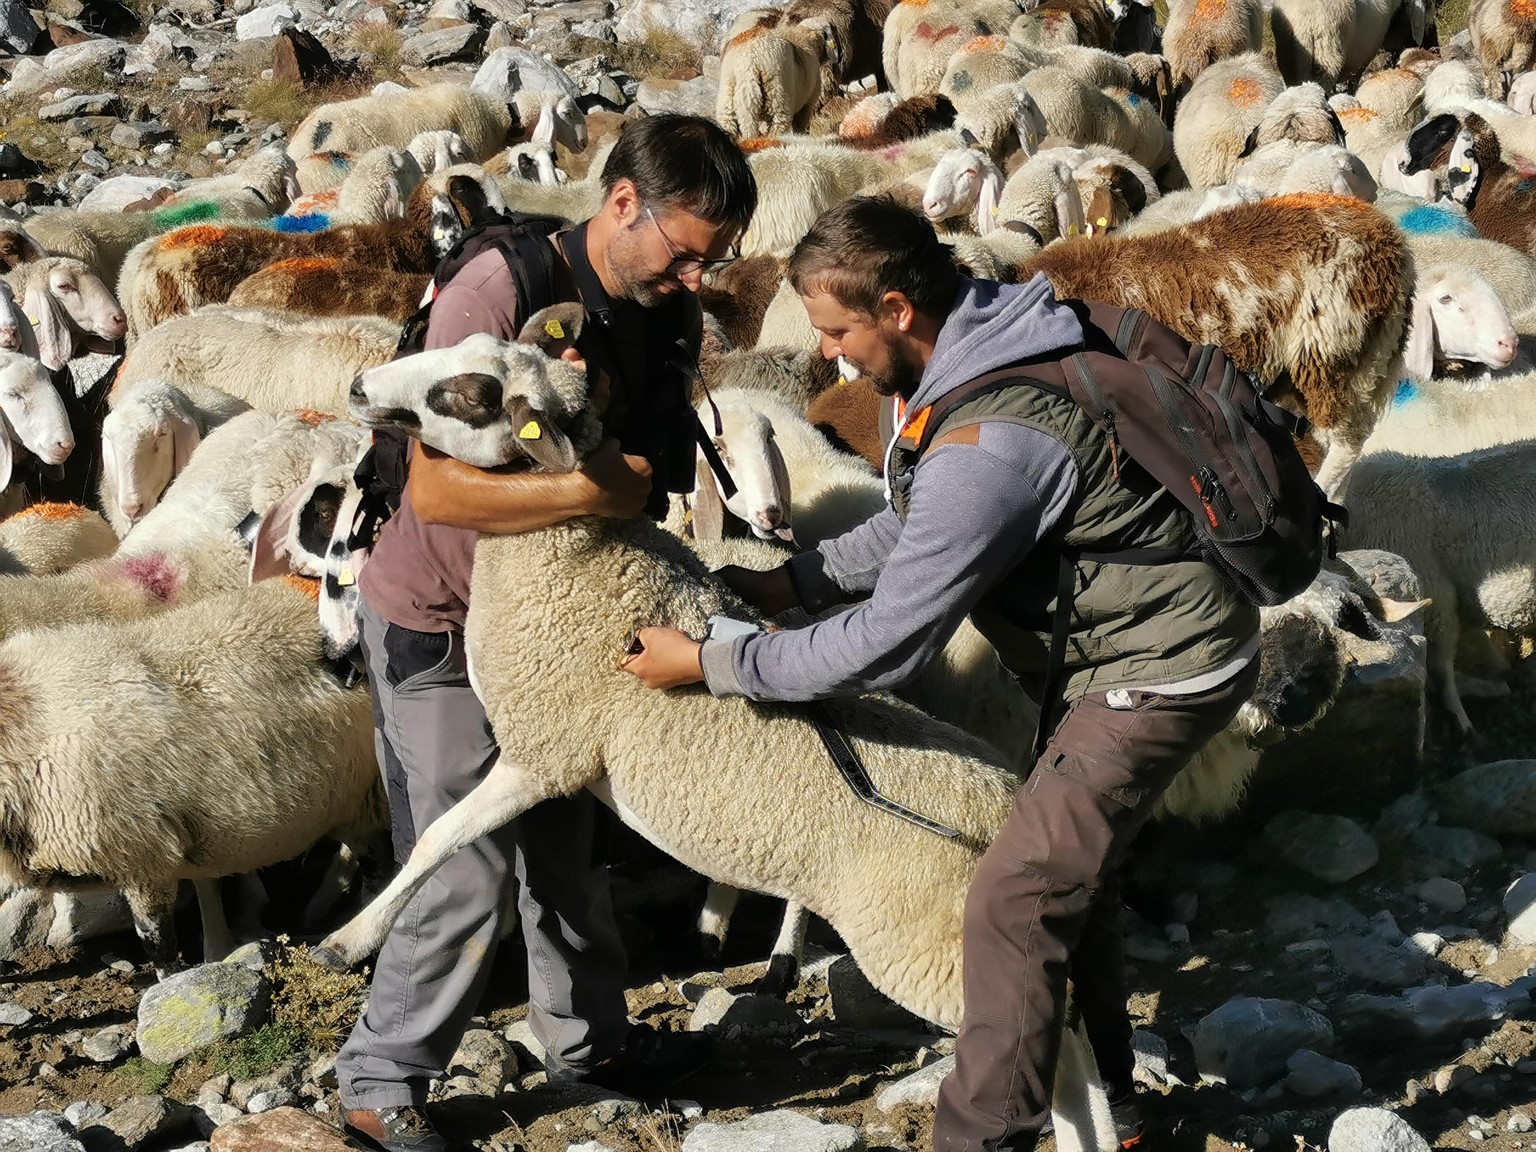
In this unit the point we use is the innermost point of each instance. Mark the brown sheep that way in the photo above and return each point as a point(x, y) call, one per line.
point(739, 296)
point(328, 286)
point(202, 264)
point(909, 119)
point(1504, 40)
point(848, 415)
point(1309, 292)
point(858, 25)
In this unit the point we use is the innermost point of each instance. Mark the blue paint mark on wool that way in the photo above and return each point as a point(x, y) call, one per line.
point(314, 222)
point(1406, 392)
point(1433, 220)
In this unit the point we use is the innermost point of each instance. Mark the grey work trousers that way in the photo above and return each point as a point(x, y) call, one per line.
point(434, 744)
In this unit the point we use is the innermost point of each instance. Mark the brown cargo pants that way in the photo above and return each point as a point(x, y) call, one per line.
point(1045, 905)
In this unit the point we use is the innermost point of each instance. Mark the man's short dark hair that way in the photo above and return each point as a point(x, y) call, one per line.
point(685, 163)
point(870, 245)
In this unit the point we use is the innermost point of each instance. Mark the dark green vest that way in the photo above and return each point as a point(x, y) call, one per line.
point(1131, 625)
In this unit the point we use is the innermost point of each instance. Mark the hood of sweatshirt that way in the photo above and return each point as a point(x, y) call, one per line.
point(992, 325)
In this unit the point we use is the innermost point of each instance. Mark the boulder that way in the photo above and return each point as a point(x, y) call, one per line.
point(100, 104)
point(508, 71)
point(780, 1131)
point(720, 1008)
point(1435, 1011)
point(696, 96)
point(265, 22)
point(1246, 1042)
point(139, 1120)
point(920, 1087)
point(1331, 848)
point(702, 22)
point(127, 193)
point(18, 31)
point(281, 1130)
point(1498, 799)
point(299, 58)
point(1373, 1130)
point(38, 1132)
point(1315, 1076)
point(1520, 907)
point(193, 1009)
point(462, 42)
point(856, 1003)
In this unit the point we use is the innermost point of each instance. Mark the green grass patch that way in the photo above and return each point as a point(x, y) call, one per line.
point(381, 42)
point(316, 1004)
point(141, 1077)
point(263, 1051)
point(276, 100)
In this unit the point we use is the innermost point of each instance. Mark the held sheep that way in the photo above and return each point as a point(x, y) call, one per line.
point(45, 539)
point(894, 892)
point(1310, 293)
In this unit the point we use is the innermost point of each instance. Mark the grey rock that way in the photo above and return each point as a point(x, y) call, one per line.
point(1452, 1077)
point(88, 54)
point(84, 1113)
point(269, 1099)
point(18, 31)
point(1404, 816)
point(193, 1009)
point(507, 71)
point(1377, 962)
point(119, 192)
point(1520, 907)
point(1498, 798)
point(1331, 848)
point(1305, 917)
point(520, 1036)
point(284, 1077)
point(779, 1131)
point(1247, 1041)
point(1373, 1130)
point(486, 1056)
point(920, 1087)
point(268, 21)
point(256, 955)
point(108, 1045)
point(1436, 1011)
point(726, 1010)
point(1426, 942)
point(208, 1115)
point(702, 22)
point(696, 96)
point(1442, 894)
point(459, 43)
point(95, 161)
point(142, 1119)
point(100, 104)
point(138, 136)
point(508, 11)
point(38, 1132)
point(856, 1003)
point(1315, 1076)
point(1519, 1122)
point(14, 1015)
point(1151, 1052)
point(1459, 848)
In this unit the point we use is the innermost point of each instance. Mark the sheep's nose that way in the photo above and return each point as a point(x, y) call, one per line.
point(133, 511)
point(61, 451)
point(10, 338)
point(770, 516)
point(357, 392)
point(1507, 346)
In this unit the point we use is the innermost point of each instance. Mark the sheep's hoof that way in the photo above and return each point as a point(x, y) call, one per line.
point(780, 979)
point(328, 957)
point(710, 948)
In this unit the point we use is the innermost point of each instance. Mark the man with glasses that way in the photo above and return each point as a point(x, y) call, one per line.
point(678, 194)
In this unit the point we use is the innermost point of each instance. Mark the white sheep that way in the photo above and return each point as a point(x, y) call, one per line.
point(438, 149)
point(1462, 522)
point(966, 185)
point(1285, 167)
point(1458, 316)
point(272, 360)
point(376, 188)
point(396, 118)
point(262, 186)
point(32, 414)
point(1512, 273)
point(1082, 114)
point(45, 539)
point(69, 307)
point(1224, 105)
point(1199, 33)
point(772, 76)
point(893, 891)
point(536, 87)
point(148, 437)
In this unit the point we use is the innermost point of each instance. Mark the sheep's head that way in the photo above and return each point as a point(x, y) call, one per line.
point(449, 203)
point(1458, 316)
point(145, 442)
point(963, 179)
point(488, 402)
point(16, 247)
point(744, 439)
point(86, 298)
point(438, 149)
point(15, 330)
point(1301, 114)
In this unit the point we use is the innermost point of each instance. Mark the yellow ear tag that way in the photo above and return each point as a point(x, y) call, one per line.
point(555, 329)
point(345, 579)
point(1102, 222)
point(1072, 230)
point(1464, 167)
point(841, 380)
point(530, 430)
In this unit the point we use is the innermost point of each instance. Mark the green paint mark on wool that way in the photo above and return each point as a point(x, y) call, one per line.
point(193, 213)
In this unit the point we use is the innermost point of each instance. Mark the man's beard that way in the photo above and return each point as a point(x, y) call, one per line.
point(901, 376)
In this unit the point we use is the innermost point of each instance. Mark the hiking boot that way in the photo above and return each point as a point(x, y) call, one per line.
point(648, 1066)
point(1128, 1121)
point(393, 1130)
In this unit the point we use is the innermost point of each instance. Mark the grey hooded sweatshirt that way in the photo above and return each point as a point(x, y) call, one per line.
point(976, 511)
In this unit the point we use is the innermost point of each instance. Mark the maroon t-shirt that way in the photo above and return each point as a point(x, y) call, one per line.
point(418, 573)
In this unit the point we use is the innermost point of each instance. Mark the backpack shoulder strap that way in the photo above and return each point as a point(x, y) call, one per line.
point(924, 425)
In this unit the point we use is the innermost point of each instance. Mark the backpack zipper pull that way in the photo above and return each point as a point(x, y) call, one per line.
point(1114, 442)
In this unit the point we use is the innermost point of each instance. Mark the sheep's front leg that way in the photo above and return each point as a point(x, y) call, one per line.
point(340, 878)
point(507, 791)
point(1339, 458)
point(788, 950)
point(217, 941)
point(153, 911)
point(715, 919)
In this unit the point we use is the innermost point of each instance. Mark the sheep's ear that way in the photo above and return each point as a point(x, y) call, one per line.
point(782, 487)
point(1131, 190)
point(7, 455)
point(472, 202)
point(1338, 125)
point(968, 138)
point(1069, 211)
point(185, 437)
point(1419, 352)
point(447, 228)
point(554, 329)
point(269, 548)
point(1101, 212)
point(544, 131)
point(1252, 143)
point(834, 47)
point(50, 324)
point(1418, 20)
point(1425, 141)
point(987, 199)
point(537, 436)
point(708, 508)
point(1394, 611)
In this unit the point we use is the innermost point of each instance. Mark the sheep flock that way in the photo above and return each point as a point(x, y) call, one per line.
point(1339, 193)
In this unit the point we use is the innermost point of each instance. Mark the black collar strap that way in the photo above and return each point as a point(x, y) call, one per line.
point(857, 778)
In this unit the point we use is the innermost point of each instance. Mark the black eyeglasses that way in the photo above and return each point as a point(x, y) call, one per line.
point(687, 265)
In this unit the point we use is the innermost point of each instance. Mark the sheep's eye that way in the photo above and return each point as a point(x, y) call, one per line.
point(66, 288)
point(1446, 299)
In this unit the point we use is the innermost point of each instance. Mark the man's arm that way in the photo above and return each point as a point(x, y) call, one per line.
point(502, 501)
point(977, 510)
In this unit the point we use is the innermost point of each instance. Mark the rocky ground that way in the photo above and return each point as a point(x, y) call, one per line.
point(1289, 965)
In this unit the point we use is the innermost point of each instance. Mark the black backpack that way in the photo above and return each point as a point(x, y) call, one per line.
point(1199, 427)
point(522, 240)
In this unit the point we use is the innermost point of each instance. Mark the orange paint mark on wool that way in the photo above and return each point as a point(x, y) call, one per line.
point(304, 264)
point(315, 202)
point(759, 144)
point(51, 512)
point(1314, 200)
point(1523, 9)
point(1244, 92)
point(1361, 115)
point(751, 33)
point(1210, 10)
point(194, 236)
point(305, 584)
point(313, 416)
point(986, 44)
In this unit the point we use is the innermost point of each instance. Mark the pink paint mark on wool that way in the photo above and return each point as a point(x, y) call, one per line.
point(154, 573)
